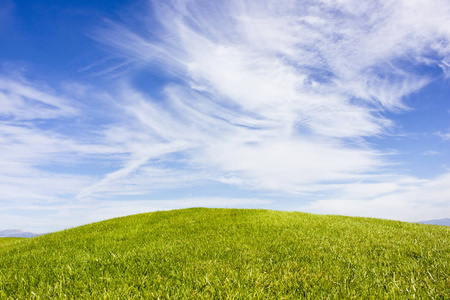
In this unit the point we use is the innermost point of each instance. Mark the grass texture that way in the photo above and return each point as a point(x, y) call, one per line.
point(203, 253)
point(9, 240)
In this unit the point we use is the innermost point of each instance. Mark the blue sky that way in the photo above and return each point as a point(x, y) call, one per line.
point(110, 108)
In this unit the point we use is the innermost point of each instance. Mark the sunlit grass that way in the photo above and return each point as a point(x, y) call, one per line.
point(231, 254)
point(9, 240)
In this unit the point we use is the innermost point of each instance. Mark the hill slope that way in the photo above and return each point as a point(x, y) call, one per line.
point(231, 254)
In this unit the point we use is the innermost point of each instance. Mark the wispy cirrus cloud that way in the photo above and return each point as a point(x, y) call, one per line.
point(35, 144)
point(20, 101)
point(280, 98)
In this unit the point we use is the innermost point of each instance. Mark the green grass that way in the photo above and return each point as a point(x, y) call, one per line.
point(231, 254)
point(9, 240)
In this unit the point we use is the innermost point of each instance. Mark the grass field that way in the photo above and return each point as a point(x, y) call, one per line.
point(231, 254)
point(9, 240)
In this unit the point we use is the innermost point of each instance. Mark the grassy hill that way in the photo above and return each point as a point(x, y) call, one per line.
point(231, 254)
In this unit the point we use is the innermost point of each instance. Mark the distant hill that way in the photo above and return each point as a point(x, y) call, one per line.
point(230, 254)
point(16, 233)
point(443, 222)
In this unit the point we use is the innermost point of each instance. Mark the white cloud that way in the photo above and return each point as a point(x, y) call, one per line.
point(276, 164)
point(443, 136)
point(402, 198)
point(35, 150)
point(280, 95)
point(21, 101)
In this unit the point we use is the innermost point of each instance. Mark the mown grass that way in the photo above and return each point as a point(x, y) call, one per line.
point(231, 254)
